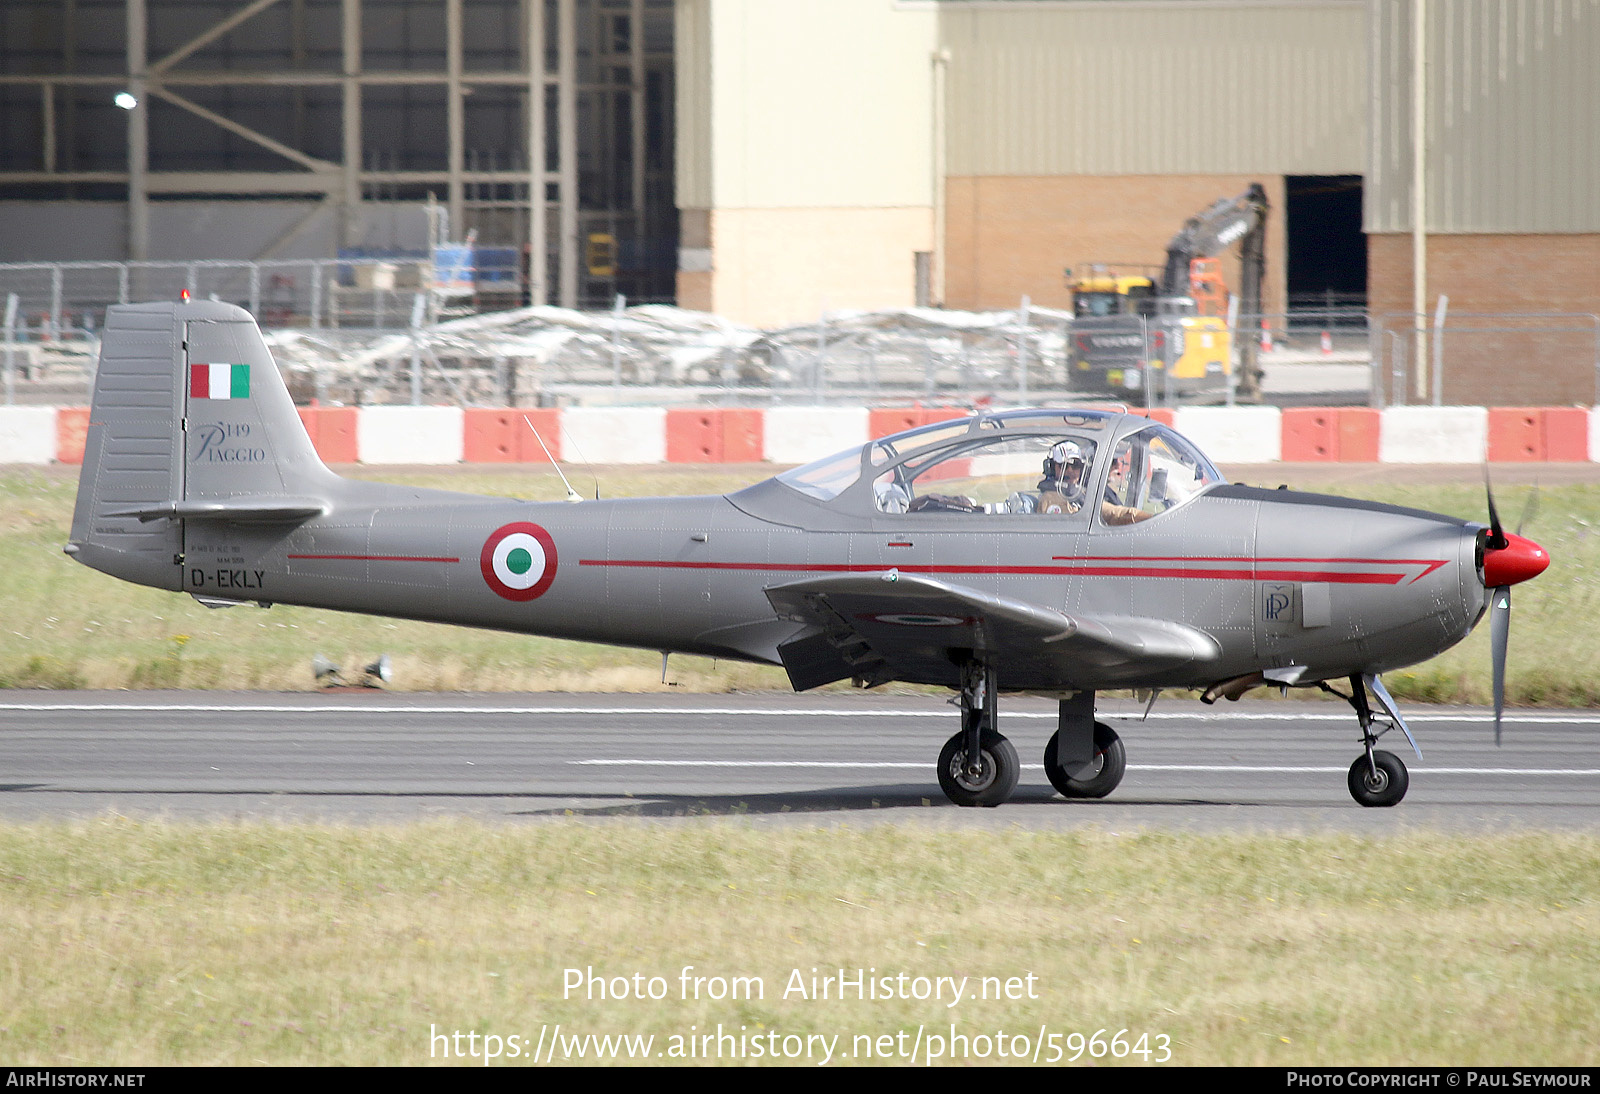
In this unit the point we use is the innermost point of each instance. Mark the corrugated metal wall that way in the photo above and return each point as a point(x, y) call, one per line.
point(1035, 89)
point(1156, 88)
point(1513, 116)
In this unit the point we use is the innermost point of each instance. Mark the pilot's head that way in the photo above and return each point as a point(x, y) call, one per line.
point(1064, 461)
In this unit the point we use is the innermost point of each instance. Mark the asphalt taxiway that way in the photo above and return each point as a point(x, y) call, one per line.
point(386, 757)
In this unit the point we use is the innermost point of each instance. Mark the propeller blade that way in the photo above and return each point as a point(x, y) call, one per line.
point(1499, 640)
point(1497, 532)
point(1530, 509)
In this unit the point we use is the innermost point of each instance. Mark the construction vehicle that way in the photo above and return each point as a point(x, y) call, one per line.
point(1128, 327)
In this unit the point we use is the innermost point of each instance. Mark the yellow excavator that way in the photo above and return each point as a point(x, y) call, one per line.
point(1127, 327)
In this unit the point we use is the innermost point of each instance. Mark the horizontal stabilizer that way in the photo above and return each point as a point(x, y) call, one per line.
point(242, 510)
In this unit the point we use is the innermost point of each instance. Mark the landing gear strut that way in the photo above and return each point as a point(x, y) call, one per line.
point(978, 766)
point(1378, 778)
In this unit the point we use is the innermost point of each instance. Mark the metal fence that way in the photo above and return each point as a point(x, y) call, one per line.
point(663, 356)
point(365, 293)
point(387, 331)
point(377, 344)
point(1486, 359)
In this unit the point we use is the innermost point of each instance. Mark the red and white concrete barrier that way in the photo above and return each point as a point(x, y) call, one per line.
point(28, 434)
point(1433, 434)
point(796, 434)
point(788, 435)
point(1234, 434)
point(410, 434)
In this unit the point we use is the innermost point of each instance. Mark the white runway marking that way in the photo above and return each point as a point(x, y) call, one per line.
point(889, 765)
point(1469, 717)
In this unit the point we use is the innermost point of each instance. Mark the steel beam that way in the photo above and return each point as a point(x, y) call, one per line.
point(455, 121)
point(311, 163)
point(538, 236)
point(350, 226)
point(138, 136)
point(567, 145)
point(636, 100)
point(158, 68)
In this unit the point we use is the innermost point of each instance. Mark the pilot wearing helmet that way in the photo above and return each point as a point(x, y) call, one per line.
point(1062, 489)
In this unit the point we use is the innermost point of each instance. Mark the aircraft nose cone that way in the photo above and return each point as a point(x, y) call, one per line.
point(1517, 561)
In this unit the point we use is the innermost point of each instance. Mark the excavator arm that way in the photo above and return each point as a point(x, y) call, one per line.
point(1241, 219)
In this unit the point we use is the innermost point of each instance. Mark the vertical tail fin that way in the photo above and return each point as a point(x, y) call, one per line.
point(190, 421)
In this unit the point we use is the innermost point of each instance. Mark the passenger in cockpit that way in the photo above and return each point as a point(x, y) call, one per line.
point(1117, 483)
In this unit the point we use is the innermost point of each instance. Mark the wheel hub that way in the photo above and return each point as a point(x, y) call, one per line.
point(973, 777)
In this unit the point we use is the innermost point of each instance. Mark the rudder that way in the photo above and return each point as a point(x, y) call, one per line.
point(190, 420)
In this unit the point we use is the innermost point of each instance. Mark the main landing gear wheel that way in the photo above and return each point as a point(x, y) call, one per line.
point(1379, 782)
point(996, 775)
point(1109, 755)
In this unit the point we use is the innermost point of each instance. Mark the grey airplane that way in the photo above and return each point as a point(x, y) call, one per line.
point(1059, 552)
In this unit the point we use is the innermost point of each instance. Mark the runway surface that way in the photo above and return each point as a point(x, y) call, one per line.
point(386, 757)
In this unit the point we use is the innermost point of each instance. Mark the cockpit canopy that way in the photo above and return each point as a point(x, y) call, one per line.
point(1062, 464)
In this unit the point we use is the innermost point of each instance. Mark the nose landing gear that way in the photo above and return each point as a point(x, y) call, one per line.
point(1379, 778)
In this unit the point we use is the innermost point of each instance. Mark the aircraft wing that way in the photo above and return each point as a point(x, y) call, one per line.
point(895, 626)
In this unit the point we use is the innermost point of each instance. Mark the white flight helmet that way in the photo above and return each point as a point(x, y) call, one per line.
point(1060, 455)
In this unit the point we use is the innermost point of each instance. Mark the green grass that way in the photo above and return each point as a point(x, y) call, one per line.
point(68, 627)
point(159, 943)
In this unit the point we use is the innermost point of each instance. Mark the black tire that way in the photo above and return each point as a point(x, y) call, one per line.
point(1384, 789)
point(1108, 751)
point(993, 785)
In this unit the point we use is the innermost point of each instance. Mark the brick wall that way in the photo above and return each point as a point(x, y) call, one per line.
point(1007, 237)
point(1535, 364)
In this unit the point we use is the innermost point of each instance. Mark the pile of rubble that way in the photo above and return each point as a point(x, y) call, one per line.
point(549, 355)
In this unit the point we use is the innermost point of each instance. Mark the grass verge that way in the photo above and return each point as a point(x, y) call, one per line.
point(144, 944)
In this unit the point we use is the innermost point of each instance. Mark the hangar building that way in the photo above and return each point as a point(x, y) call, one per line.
point(769, 160)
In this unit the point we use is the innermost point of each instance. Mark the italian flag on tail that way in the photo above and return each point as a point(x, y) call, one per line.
point(219, 381)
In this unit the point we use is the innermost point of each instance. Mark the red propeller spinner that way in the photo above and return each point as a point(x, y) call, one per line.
point(1517, 560)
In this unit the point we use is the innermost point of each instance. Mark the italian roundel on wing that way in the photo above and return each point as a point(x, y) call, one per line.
point(519, 561)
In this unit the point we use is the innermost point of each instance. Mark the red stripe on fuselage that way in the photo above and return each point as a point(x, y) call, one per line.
point(377, 558)
point(1246, 570)
point(1428, 564)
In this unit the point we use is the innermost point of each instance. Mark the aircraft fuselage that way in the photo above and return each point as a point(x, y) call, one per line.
point(686, 574)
